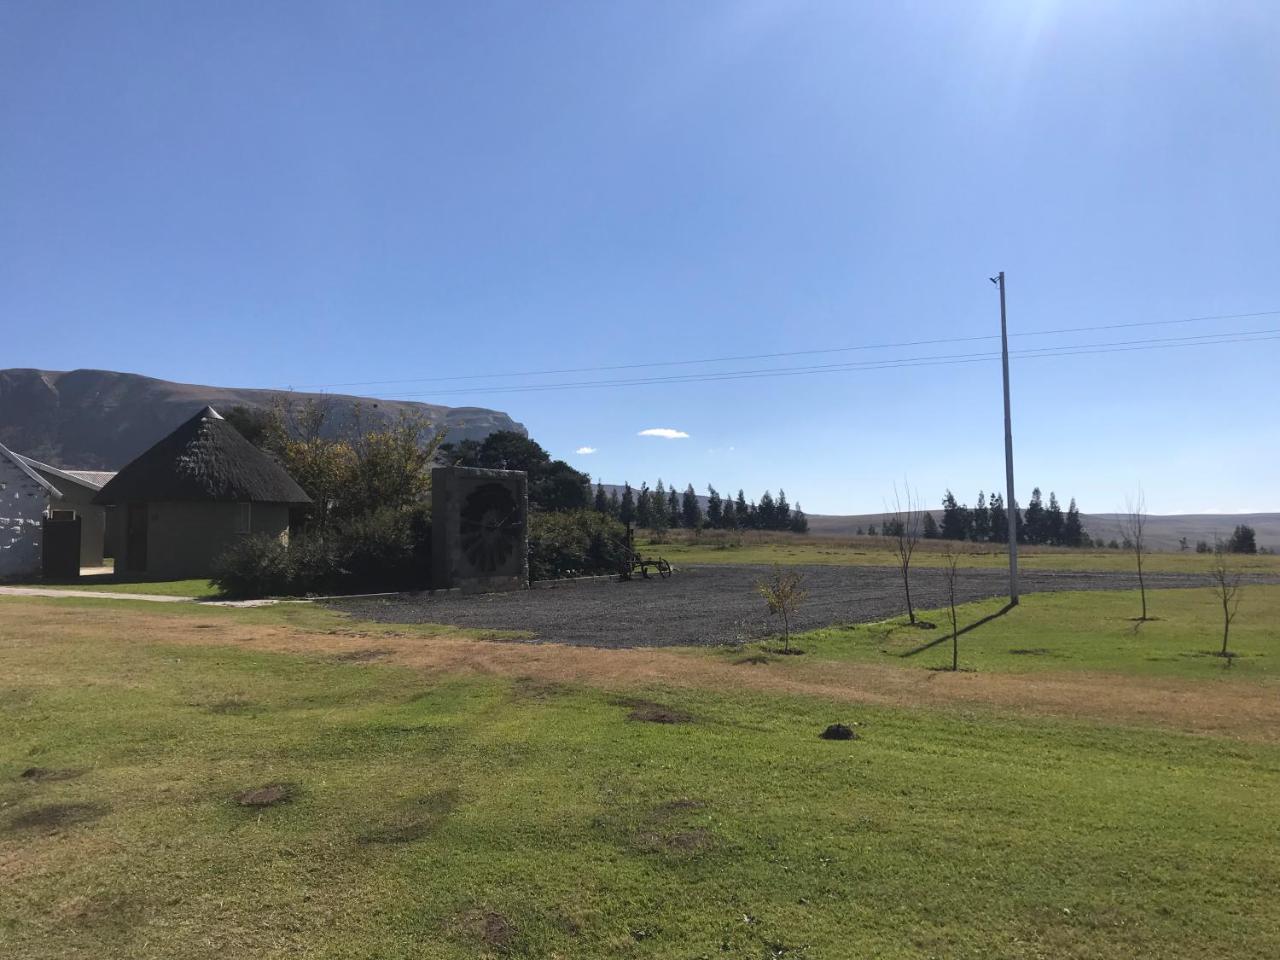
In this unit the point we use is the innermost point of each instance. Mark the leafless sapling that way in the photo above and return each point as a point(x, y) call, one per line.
point(950, 559)
point(783, 592)
point(1226, 587)
point(904, 527)
point(1134, 526)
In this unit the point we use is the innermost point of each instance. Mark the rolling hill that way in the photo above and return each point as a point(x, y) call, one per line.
point(101, 419)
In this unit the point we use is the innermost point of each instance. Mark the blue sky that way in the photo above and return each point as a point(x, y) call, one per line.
point(321, 193)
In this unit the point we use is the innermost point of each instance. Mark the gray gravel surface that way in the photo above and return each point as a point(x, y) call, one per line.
point(717, 603)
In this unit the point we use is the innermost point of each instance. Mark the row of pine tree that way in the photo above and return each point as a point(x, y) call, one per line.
point(660, 509)
point(988, 522)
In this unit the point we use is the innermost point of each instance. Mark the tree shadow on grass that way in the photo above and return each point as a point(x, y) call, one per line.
point(959, 633)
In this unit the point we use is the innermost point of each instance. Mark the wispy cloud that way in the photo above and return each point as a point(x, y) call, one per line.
point(667, 433)
point(585, 450)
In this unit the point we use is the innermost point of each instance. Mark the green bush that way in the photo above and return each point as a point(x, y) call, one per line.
point(254, 567)
point(386, 550)
point(577, 543)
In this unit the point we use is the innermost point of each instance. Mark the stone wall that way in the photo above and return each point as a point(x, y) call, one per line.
point(479, 529)
point(22, 505)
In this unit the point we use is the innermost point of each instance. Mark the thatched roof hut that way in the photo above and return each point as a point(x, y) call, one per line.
point(205, 459)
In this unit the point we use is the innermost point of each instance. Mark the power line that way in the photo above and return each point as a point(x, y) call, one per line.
point(784, 354)
point(1061, 350)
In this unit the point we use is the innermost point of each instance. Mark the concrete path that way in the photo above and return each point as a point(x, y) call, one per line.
point(108, 595)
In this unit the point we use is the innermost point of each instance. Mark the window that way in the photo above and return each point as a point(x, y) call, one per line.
point(62, 514)
point(244, 518)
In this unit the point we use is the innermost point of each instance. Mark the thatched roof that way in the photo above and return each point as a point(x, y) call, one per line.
point(204, 459)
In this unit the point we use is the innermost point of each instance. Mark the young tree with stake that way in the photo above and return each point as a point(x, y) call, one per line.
point(950, 559)
point(905, 523)
point(1226, 587)
point(1134, 526)
point(783, 593)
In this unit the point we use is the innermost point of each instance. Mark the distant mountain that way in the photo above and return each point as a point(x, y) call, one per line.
point(100, 420)
point(1163, 532)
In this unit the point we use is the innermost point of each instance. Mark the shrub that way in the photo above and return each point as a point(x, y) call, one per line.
point(386, 550)
point(254, 567)
point(576, 543)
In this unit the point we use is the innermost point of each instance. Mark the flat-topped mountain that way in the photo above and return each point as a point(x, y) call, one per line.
point(100, 419)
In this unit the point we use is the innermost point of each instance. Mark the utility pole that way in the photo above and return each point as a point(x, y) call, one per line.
point(1011, 504)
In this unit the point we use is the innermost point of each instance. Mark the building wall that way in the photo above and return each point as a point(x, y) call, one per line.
point(185, 539)
point(22, 506)
point(93, 519)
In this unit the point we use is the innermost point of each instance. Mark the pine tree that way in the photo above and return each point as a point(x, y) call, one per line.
point(627, 511)
point(615, 506)
point(742, 510)
point(954, 522)
point(999, 519)
point(658, 519)
point(1054, 522)
point(690, 509)
point(1033, 529)
point(729, 519)
point(765, 511)
point(782, 512)
point(871, 530)
point(798, 523)
point(930, 526)
point(673, 508)
point(602, 499)
point(1073, 534)
point(644, 507)
point(715, 507)
point(980, 520)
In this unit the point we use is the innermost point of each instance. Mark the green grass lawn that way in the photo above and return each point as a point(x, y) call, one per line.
point(199, 589)
point(1093, 630)
point(459, 815)
point(757, 548)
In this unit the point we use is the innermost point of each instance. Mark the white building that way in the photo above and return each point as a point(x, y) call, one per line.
point(30, 491)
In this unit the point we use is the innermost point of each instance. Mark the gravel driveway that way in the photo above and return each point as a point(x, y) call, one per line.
point(717, 603)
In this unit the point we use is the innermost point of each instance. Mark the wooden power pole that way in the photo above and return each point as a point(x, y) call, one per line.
point(1011, 504)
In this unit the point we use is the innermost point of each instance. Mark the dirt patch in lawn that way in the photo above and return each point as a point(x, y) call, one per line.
point(231, 705)
point(50, 775)
point(266, 796)
point(56, 816)
point(416, 820)
point(490, 928)
point(683, 842)
point(646, 711)
point(364, 656)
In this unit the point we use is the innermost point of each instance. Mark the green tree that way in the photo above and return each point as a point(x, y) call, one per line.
point(955, 521)
point(690, 509)
point(930, 526)
point(1033, 524)
point(1073, 534)
point(742, 510)
point(799, 522)
point(765, 511)
point(999, 519)
point(644, 507)
point(715, 507)
point(602, 499)
point(729, 519)
point(1054, 522)
point(627, 509)
point(782, 512)
point(1243, 540)
point(673, 508)
point(980, 520)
